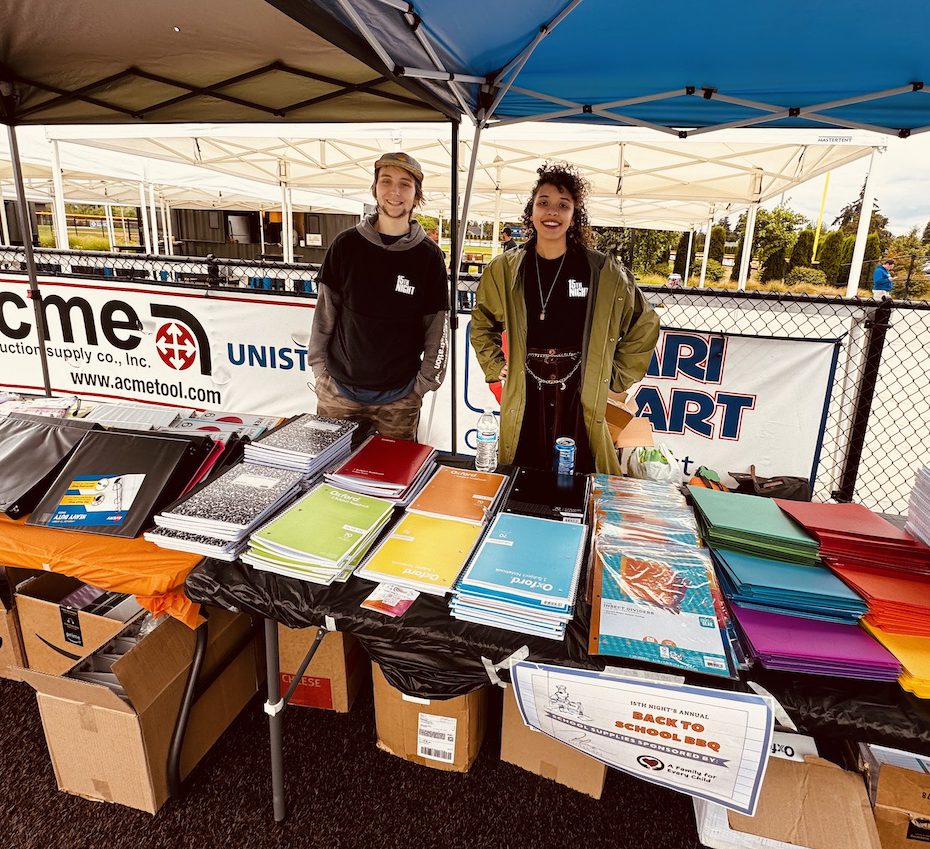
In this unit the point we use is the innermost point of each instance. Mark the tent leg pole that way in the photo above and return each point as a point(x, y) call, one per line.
point(25, 229)
point(275, 719)
point(862, 231)
point(454, 279)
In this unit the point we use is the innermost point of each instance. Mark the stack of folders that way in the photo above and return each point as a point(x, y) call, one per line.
point(918, 511)
point(394, 469)
point(795, 644)
point(307, 444)
point(135, 416)
point(752, 524)
point(852, 534)
point(523, 577)
point(813, 592)
point(322, 537)
point(216, 519)
point(549, 495)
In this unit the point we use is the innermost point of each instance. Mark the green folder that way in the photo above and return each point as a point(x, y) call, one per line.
point(752, 525)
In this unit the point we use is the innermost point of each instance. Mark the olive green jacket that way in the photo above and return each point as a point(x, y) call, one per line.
point(621, 330)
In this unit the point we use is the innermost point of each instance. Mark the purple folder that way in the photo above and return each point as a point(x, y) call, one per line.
point(793, 644)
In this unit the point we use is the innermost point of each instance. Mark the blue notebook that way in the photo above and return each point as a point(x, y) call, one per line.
point(524, 556)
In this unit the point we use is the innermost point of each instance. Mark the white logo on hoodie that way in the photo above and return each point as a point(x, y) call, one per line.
point(403, 286)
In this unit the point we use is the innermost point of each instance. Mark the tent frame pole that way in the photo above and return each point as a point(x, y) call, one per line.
point(454, 277)
point(710, 227)
point(748, 234)
point(143, 214)
point(59, 215)
point(862, 231)
point(687, 256)
point(4, 224)
point(25, 229)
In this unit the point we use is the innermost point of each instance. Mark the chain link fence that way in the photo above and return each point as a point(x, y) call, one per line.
point(878, 425)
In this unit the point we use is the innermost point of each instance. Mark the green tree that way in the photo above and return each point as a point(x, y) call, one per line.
point(774, 266)
point(681, 254)
point(849, 246)
point(848, 220)
point(925, 239)
point(776, 230)
point(718, 238)
point(873, 253)
point(802, 252)
point(831, 255)
point(734, 273)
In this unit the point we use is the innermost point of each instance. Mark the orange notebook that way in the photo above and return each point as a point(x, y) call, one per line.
point(462, 494)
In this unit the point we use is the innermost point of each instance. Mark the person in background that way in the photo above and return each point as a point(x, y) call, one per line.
point(576, 326)
point(380, 331)
point(882, 281)
point(507, 239)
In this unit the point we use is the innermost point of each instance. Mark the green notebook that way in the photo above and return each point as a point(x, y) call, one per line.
point(327, 525)
point(752, 525)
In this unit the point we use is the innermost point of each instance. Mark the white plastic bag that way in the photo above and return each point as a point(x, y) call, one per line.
point(654, 463)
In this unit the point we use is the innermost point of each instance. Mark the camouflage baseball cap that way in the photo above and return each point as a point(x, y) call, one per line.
point(401, 160)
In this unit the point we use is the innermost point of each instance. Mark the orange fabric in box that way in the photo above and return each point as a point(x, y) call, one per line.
point(154, 575)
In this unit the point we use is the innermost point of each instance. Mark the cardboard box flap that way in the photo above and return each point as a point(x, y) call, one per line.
point(903, 789)
point(152, 665)
point(814, 804)
point(49, 586)
point(75, 691)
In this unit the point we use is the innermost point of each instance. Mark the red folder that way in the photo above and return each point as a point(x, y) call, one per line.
point(385, 462)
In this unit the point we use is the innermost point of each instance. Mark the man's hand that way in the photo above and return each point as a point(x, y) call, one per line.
point(503, 374)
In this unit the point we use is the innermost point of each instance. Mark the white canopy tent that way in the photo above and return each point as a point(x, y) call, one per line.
point(639, 177)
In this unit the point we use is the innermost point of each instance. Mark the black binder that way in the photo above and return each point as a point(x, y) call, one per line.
point(33, 450)
point(116, 480)
point(549, 495)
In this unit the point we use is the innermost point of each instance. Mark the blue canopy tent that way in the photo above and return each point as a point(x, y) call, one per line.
point(671, 67)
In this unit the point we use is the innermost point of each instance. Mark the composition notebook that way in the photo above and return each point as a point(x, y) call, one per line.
point(33, 450)
point(463, 494)
point(114, 481)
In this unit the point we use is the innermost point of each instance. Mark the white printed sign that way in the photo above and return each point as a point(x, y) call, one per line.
point(713, 744)
point(436, 737)
point(728, 401)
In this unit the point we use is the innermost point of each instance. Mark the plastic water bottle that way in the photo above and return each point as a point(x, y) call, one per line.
point(488, 430)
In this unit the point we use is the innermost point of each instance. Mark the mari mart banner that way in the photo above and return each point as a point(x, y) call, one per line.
point(225, 350)
point(728, 401)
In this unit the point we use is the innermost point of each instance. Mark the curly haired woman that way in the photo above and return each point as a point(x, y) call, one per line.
point(576, 326)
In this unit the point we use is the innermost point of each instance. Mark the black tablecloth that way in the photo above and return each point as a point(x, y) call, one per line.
point(429, 654)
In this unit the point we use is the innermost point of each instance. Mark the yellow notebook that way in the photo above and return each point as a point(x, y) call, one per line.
point(458, 494)
point(422, 552)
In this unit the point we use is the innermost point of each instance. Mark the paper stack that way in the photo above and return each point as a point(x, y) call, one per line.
point(216, 519)
point(795, 644)
point(307, 444)
point(752, 525)
point(913, 654)
point(787, 588)
point(852, 534)
point(393, 469)
point(523, 577)
point(918, 511)
point(321, 538)
point(898, 603)
point(423, 553)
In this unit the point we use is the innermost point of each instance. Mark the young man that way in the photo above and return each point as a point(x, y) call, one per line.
point(882, 281)
point(507, 239)
point(380, 332)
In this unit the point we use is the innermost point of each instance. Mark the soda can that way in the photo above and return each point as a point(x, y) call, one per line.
point(565, 455)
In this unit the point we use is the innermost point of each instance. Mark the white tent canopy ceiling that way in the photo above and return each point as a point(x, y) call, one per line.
point(638, 177)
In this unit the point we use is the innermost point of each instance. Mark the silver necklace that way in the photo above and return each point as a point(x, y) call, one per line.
point(544, 301)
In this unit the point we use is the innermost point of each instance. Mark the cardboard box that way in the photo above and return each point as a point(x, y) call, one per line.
point(813, 804)
point(335, 676)
point(902, 808)
point(12, 658)
point(534, 751)
point(56, 637)
point(626, 429)
point(106, 749)
point(444, 734)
